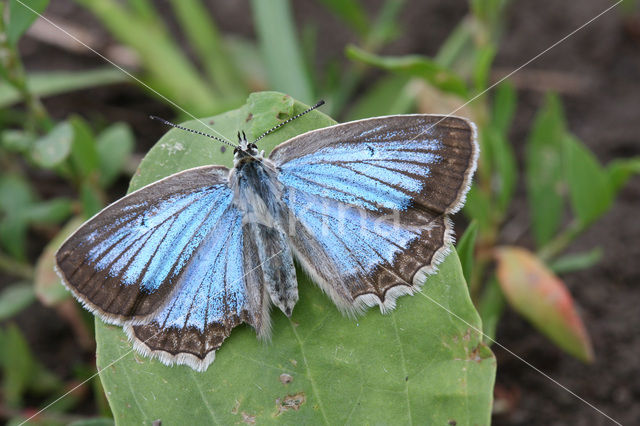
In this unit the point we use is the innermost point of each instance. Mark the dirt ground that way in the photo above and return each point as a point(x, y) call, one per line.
point(597, 72)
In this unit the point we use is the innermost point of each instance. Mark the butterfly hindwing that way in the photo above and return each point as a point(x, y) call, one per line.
point(216, 293)
point(372, 198)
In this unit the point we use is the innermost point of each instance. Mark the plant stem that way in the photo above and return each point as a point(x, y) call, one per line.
point(13, 71)
point(554, 247)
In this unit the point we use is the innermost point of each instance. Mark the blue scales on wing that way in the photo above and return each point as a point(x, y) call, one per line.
point(167, 258)
point(371, 199)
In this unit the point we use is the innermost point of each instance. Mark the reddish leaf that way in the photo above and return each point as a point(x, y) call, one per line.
point(542, 298)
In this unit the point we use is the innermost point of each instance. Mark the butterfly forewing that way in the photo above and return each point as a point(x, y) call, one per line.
point(384, 163)
point(124, 263)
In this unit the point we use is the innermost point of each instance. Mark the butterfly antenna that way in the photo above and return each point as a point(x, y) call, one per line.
point(177, 126)
point(319, 104)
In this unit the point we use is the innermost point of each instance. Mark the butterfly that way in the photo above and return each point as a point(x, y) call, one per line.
point(362, 206)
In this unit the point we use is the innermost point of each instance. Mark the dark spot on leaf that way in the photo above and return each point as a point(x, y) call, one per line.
point(285, 378)
point(249, 117)
point(282, 116)
point(467, 335)
point(290, 402)
point(406, 379)
point(452, 423)
point(474, 355)
point(156, 423)
point(223, 148)
point(248, 418)
point(211, 122)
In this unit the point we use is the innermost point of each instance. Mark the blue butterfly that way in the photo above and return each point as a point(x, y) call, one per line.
point(362, 206)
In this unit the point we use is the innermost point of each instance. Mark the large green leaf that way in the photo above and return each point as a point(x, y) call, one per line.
point(544, 170)
point(419, 364)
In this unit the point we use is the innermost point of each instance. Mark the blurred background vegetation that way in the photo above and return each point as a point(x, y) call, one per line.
point(73, 128)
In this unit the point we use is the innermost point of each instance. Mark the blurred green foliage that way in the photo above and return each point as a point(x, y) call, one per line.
point(567, 188)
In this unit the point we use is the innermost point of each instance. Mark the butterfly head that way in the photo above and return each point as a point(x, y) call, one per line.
point(246, 151)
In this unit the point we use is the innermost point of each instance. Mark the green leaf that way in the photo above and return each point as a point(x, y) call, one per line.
point(18, 366)
point(91, 199)
point(13, 235)
point(620, 170)
point(414, 66)
point(589, 187)
point(459, 46)
point(479, 208)
point(418, 363)
point(21, 17)
point(49, 212)
point(466, 248)
point(207, 41)
point(281, 53)
point(544, 170)
point(351, 12)
point(16, 140)
point(387, 96)
point(482, 66)
point(16, 198)
point(166, 66)
point(503, 108)
point(15, 194)
point(101, 421)
point(53, 148)
point(577, 261)
point(55, 82)
point(543, 299)
point(114, 145)
point(48, 287)
point(385, 27)
point(490, 308)
point(84, 156)
point(14, 298)
point(505, 168)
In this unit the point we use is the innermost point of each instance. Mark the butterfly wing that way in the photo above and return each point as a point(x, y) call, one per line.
point(371, 199)
point(124, 262)
point(222, 287)
point(168, 262)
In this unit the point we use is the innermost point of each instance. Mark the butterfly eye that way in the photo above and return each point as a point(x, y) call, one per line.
point(235, 150)
point(253, 146)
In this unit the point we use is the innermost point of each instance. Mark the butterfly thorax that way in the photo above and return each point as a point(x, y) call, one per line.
point(257, 190)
